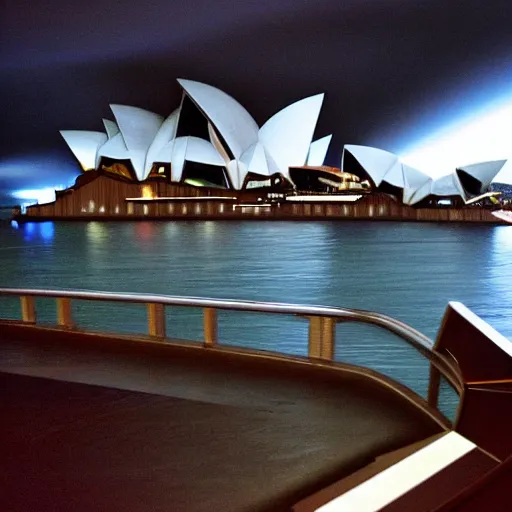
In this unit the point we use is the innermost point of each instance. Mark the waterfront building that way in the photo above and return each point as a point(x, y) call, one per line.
point(210, 140)
point(387, 173)
point(210, 159)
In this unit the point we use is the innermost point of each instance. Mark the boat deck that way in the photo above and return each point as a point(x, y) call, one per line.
point(92, 423)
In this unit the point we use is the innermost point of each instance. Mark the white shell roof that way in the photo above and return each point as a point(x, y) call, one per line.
point(139, 128)
point(113, 148)
point(376, 162)
point(159, 150)
point(110, 127)
point(237, 171)
point(395, 175)
point(84, 145)
point(202, 151)
point(318, 151)
point(145, 137)
point(484, 172)
point(234, 123)
point(257, 160)
point(416, 185)
point(287, 135)
point(445, 186)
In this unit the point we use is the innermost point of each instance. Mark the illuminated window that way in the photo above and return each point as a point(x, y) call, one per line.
point(129, 209)
point(161, 170)
point(170, 208)
point(92, 206)
point(145, 209)
point(147, 192)
point(221, 208)
point(117, 209)
point(198, 209)
point(184, 209)
point(102, 209)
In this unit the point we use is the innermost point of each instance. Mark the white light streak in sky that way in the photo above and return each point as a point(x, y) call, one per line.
point(483, 136)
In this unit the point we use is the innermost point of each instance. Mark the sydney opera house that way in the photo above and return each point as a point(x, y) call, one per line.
point(209, 158)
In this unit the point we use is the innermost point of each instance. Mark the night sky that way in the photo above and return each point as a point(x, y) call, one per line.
point(394, 71)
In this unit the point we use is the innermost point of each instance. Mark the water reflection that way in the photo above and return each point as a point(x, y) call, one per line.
point(144, 231)
point(36, 231)
point(500, 280)
point(409, 271)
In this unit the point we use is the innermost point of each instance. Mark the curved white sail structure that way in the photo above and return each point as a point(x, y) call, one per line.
point(257, 160)
point(288, 134)
point(476, 178)
point(114, 148)
point(284, 140)
point(318, 151)
point(235, 140)
point(416, 185)
point(376, 162)
point(445, 186)
point(384, 167)
point(395, 175)
point(220, 132)
point(139, 128)
point(160, 149)
point(202, 151)
point(237, 171)
point(110, 127)
point(231, 119)
point(84, 145)
point(179, 152)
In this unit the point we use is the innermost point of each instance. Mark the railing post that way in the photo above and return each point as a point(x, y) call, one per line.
point(28, 309)
point(322, 332)
point(156, 320)
point(328, 338)
point(315, 337)
point(210, 327)
point(64, 313)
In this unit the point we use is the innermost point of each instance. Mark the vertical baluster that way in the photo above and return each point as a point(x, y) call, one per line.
point(28, 309)
point(321, 337)
point(64, 313)
point(210, 327)
point(328, 338)
point(156, 320)
point(315, 337)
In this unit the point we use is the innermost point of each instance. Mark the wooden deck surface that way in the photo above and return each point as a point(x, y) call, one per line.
point(103, 425)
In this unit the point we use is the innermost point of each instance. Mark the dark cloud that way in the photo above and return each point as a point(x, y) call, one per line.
point(391, 69)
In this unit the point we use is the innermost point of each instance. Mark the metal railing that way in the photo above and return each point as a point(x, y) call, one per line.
point(322, 320)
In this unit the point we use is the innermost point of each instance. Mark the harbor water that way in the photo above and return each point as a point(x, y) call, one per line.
point(409, 271)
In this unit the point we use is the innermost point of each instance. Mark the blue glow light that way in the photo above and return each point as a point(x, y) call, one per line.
point(39, 196)
point(33, 178)
point(485, 135)
point(34, 230)
point(47, 230)
point(28, 231)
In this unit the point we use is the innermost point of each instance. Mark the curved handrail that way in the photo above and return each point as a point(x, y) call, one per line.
point(415, 338)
